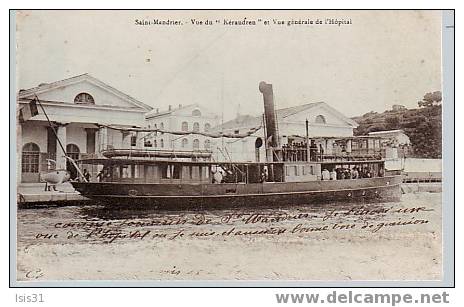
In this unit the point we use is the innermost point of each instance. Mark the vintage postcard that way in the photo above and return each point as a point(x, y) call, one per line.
point(221, 145)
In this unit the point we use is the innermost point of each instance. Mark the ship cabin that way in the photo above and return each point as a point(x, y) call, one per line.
point(133, 170)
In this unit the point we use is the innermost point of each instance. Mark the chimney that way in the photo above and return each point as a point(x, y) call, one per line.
point(269, 114)
point(169, 108)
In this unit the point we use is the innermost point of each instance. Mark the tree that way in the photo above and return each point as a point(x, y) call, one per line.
point(430, 99)
point(392, 122)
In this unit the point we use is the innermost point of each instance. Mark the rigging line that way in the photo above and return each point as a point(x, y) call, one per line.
point(190, 61)
point(58, 139)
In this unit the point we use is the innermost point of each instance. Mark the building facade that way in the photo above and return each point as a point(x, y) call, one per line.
point(188, 118)
point(324, 121)
point(76, 107)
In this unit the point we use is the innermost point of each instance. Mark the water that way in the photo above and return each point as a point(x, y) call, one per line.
point(149, 243)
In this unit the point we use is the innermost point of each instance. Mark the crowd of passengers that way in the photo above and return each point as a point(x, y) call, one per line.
point(297, 151)
point(340, 173)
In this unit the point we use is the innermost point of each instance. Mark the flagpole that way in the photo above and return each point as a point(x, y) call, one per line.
point(58, 139)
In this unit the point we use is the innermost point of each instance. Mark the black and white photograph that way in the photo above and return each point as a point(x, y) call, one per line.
point(228, 145)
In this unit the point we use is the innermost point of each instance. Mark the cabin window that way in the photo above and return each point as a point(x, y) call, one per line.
point(165, 171)
point(185, 126)
point(207, 127)
point(84, 98)
point(149, 173)
point(30, 158)
point(186, 171)
point(292, 170)
point(320, 119)
point(184, 143)
point(176, 170)
point(195, 174)
point(140, 171)
point(196, 127)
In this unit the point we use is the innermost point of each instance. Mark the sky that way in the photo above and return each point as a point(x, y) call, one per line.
point(380, 59)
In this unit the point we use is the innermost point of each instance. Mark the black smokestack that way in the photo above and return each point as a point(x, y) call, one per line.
point(269, 113)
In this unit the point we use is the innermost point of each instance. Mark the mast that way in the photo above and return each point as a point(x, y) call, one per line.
point(308, 154)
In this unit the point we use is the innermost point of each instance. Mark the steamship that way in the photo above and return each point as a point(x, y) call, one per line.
point(174, 180)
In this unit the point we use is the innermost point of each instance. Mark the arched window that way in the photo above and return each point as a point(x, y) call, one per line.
point(30, 158)
point(320, 119)
point(196, 144)
point(72, 151)
point(185, 126)
point(162, 126)
point(196, 112)
point(196, 127)
point(207, 127)
point(84, 98)
point(184, 143)
point(207, 144)
point(162, 143)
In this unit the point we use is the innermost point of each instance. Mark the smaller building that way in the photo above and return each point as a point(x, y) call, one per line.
point(395, 143)
point(398, 107)
point(393, 137)
point(192, 117)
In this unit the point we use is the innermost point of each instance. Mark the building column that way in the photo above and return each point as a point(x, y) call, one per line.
point(19, 151)
point(60, 155)
point(103, 139)
point(329, 147)
point(348, 146)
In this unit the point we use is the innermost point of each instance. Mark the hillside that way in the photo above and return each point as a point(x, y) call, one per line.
point(422, 125)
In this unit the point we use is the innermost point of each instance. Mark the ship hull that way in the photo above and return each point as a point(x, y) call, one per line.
point(177, 196)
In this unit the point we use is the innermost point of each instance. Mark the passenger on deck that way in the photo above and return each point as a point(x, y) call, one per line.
point(333, 174)
point(347, 173)
point(217, 177)
point(355, 173)
point(86, 175)
point(367, 173)
point(325, 174)
point(340, 174)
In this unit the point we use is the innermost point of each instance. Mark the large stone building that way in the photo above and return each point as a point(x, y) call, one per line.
point(74, 106)
point(185, 118)
point(324, 121)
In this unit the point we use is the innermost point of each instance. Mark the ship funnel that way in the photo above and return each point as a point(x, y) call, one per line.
point(269, 114)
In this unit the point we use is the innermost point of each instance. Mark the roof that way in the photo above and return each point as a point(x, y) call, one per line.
point(153, 113)
point(386, 132)
point(43, 87)
point(254, 121)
